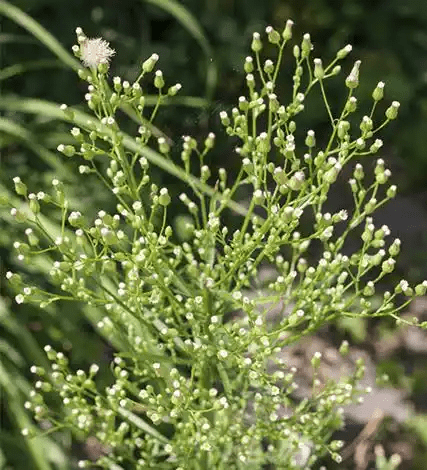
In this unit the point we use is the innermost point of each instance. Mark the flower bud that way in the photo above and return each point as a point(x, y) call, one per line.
point(163, 145)
point(173, 90)
point(306, 45)
point(351, 104)
point(273, 35)
point(344, 348)
point(149, 64)
point(395, 247)
point(336, 70)
point(420, 289)
point(343, 128)
point(319, 72)
point(258, 197)
point(210, 140)
point(342, 53)
point(268, 66)
point(20, 187)
point(164, 198)
point(249, 65)
point(391, 191)
point(352, 81)
point(159, 82)
point(366, 124)
point(370, 206)
point(310, 140)
point(388, 265)
point(391, 112)
point(287, 32)
point(296, 181)
point(378, 93)
point(256, 45)
point(358, 172)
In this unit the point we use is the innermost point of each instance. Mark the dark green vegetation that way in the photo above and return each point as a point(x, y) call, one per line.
point(201, 44)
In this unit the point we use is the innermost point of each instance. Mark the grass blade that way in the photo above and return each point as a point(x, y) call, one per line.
point(190, 23)
point(37, 30)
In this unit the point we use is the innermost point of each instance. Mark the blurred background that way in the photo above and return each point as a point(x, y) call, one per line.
point(202, 45)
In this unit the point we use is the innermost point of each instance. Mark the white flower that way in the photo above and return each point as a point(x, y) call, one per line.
point(96, 51)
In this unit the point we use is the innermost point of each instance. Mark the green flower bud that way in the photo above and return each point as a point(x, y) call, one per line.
point(67, 150)
point(310, 140)
point(344, 348)
point(163, 145)
point(274, 102)
point(336, 70)
point(205, 173)
point(210, 140)
point(18, 215)
point(256, 45)
point(164, 198)
point(173, 90)
point(388, 265)
point(20, 187)
point(225, 120)
point(395, 247)
point(352, 81)
point(420, 289)
point(268, 66)
point(109, 237)
point(366, 124)
point(159, 82)
point(391, 191)
point(383, 177)
point(258, 197)
point(319, 72)
point(250, 80)
point(69, 113)
point(149, 64)
point(306, 46)
point(343, 53)
point(369, 289)
point(343, 128)
point(360, 144)
point(331, 175)
point(76, 219)
point(103, 67)
point(351, 104)
point(273, 35)
point(378, 93)
point(315, 360)
point(370, 206)
point(117, 84)
point(296, 181)
point(249, 65)
point(243, 103)
point(263, 143)
point(358, 172)
point(391, 112)
point(287, 32)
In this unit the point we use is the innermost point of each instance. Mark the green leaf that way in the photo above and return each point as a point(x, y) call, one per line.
point(21, 18)
point(190, 23)
point(19, 69)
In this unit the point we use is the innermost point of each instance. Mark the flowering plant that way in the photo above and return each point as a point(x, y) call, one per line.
point(199, 381)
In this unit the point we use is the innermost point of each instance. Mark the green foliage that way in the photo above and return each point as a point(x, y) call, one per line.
point(198, 378)
point(214, 33)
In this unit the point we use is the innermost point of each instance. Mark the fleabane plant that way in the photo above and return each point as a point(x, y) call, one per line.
point(199, 382)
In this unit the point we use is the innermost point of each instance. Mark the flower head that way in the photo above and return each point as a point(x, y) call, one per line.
point(96, 51)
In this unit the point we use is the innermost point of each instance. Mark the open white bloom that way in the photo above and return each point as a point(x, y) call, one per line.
point(96, 51)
